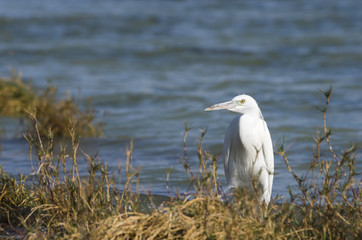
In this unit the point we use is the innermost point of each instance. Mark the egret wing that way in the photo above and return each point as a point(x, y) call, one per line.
point(268, 156)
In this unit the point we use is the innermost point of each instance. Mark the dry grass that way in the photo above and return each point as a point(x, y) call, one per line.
point(61, 205)
point(18, 98)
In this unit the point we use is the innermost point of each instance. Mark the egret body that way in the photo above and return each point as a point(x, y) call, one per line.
point(248, 150)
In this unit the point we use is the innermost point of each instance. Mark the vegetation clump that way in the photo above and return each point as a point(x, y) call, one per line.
point(59, 204)
point(17, 99)
point(16, 96)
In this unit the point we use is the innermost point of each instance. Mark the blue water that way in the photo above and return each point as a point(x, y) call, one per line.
point(149, 66)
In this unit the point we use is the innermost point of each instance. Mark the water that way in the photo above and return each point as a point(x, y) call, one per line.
point(149, 66)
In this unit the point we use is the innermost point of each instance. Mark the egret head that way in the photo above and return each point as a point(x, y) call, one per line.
point(243, 104)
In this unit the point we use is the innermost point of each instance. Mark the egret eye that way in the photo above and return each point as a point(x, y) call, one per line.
point(242, 101)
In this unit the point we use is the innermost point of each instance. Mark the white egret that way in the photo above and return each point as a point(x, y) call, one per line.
point(248, 151)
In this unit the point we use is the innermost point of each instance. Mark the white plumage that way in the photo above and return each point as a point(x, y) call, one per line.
point(248, 150)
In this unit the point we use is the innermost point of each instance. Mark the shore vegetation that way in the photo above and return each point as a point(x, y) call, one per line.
point(19, 99)
point(55, 202)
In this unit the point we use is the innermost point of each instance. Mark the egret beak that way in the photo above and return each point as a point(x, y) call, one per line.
point(225, 105)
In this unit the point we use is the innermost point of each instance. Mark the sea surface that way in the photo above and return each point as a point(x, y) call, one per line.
point(149, 66)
